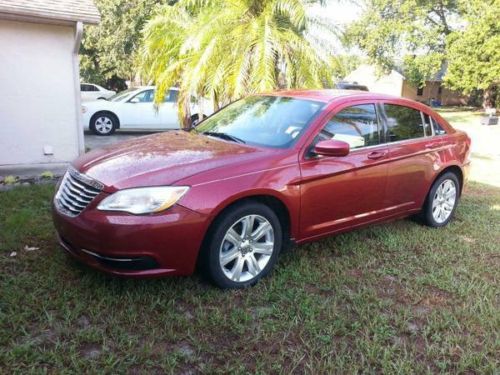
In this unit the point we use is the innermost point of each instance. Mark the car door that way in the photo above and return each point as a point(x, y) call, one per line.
point(86, 93)
point(139, 111)
point(412, 155)
point(168, 111)
point(341, 192)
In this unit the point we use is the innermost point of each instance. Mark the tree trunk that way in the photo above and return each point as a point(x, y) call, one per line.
point(490, 97)
point(216, 102)
point(186, 109)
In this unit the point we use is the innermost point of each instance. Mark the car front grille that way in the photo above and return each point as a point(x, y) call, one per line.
point(75, 192)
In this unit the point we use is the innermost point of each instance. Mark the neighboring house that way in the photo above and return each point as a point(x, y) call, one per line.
point(40, 125)
point(396, 84)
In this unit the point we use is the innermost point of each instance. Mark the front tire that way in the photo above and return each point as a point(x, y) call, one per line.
point(442, 200)
point(243, 245)
point(103, 123)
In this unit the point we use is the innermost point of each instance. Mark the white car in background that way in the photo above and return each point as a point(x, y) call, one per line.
point(134, 109)
point(91, 91)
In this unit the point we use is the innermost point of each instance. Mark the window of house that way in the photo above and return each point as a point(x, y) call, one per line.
point(356, 125)
point(403, 123)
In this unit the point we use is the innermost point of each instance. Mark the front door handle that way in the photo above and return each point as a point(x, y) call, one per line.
point(376, 154)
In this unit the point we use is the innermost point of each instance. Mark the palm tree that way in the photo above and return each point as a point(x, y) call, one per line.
point(225, 49)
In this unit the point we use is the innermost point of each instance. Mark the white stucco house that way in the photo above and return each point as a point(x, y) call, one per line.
point(40, 126)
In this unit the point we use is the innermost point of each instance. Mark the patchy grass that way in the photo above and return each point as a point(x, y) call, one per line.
point(459, 117)
point(485, 153)
point(392, 298)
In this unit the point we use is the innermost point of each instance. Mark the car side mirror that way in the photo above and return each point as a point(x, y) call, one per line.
point(332, 147)
point(134, 100)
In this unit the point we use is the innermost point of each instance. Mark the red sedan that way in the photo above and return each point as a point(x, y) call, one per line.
point(265, 171)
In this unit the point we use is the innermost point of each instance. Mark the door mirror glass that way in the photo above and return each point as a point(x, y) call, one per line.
point(332, 147)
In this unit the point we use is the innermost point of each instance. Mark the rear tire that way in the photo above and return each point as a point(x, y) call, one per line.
point(441, 201)
point(103, 123)
point(243, 246)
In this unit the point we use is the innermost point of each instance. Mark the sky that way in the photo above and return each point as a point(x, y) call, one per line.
point(340, 12)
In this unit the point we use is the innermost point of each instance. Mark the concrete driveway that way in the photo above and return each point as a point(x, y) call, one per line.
point(93, 141)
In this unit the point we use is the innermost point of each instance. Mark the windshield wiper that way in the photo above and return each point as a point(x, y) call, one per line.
point(225, 136)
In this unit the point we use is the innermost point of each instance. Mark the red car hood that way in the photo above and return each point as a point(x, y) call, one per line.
point(161, 159)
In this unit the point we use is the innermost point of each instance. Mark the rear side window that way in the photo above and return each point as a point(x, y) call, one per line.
point(356, 125)
point(438, 129)
point(403, 123)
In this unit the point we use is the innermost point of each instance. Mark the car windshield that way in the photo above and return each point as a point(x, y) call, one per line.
point(271, 121)
point(121, 95)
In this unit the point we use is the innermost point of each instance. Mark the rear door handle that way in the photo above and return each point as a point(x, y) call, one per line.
point(376, 154)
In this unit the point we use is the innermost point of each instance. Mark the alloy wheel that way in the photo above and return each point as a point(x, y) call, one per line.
point(103, 124)
point(444, 201)
point(246, 248)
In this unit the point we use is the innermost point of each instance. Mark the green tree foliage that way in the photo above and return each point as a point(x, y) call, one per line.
point(108, 51)
point(405, 32)
point(225, 49)
point(422, 35)
point(474, 52)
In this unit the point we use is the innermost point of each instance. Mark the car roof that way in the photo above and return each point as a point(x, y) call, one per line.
point(328, 95)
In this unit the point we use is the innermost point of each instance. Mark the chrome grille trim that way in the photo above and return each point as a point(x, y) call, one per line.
point(75, 192)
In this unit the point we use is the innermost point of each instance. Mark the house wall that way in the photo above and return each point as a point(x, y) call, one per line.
point(431, 91)
point(38, 104)
point(395, 84)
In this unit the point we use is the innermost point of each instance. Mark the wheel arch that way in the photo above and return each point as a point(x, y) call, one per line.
point(454, 169)
point(271, 200)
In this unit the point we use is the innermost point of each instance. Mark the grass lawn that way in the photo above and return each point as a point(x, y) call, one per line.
point(485, 150)
point(393, 298)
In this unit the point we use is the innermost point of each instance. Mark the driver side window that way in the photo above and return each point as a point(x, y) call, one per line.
point(356, 125)
point(143, 97)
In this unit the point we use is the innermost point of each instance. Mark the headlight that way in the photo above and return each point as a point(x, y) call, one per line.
point(84, 109)
point(143, 200)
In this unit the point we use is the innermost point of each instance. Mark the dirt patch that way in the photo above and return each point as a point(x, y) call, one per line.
point(91, 351)
point(467, 239)
point(83, 322)
point(389, 287)
point(318, 290)
point(45, 339)
point(356, 273)
point(435, 298)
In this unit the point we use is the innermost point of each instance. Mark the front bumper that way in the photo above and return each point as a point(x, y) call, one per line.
point(132, 245)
